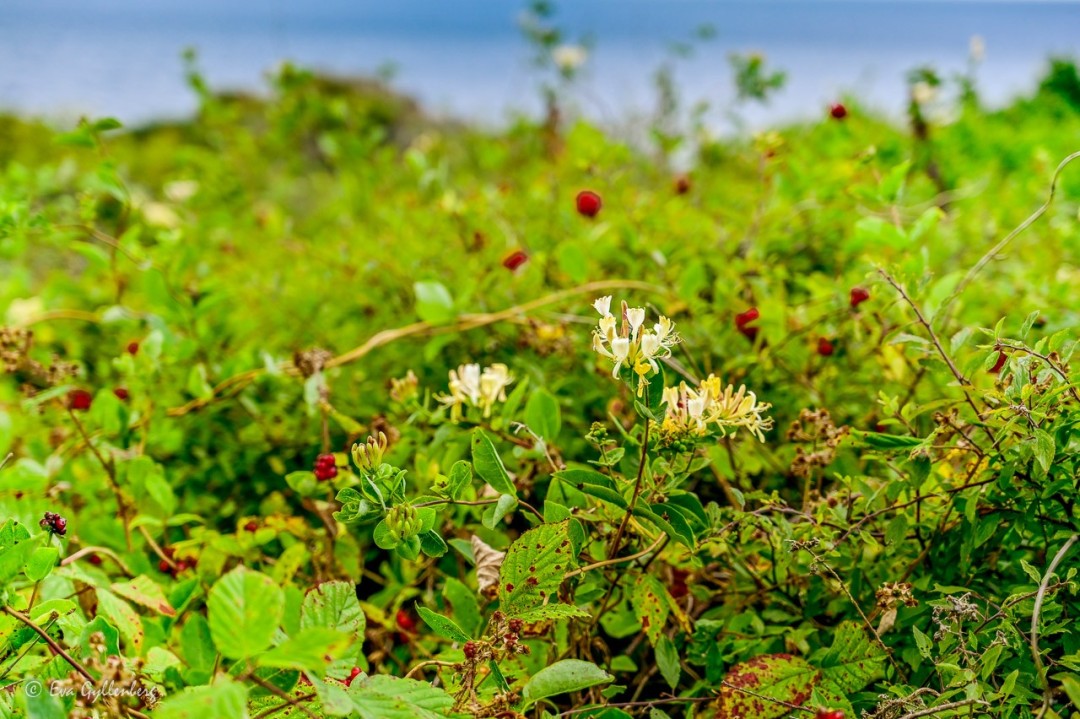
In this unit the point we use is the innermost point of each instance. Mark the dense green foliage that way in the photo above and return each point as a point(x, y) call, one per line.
point(195, 315)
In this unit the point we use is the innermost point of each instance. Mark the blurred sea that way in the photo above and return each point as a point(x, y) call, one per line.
point(468, 58)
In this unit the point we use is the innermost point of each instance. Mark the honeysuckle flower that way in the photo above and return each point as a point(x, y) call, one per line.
point(471, 387)
point(630, 343)
point(712, 407)
point(569, 57)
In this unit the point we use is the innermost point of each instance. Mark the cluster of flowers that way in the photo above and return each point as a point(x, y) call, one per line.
point(695, 411)
point(472, 387)
point(629, 343)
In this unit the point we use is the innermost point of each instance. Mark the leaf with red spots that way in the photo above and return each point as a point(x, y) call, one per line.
point(534, 567)
point(853, 661)
point(651, 606)
point(778, 677)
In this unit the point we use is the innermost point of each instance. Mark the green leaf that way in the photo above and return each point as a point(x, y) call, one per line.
point(197, 644)
point(495, 513)
point(244, 610)
point(649, 599)
point(142, 590)
point(460, 478)
point(42, 704)
point(552, 611)
point(594, 484)
point(312, 650)
point(387, 697)
point(853, 660)
point(667, 659)
point(489, 465)
point(777, 676)
point(1044, 449)
point(464, 606)
point(534, 567)
point(443, 626)
point(542, 414)
point(41, 563)
point(334, 605)
point(563, 677)
point(879, 440)
point(225, 699)
point(433, 302)
point(923, 643)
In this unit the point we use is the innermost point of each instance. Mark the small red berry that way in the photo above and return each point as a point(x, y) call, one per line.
point(589, 203)
point(825, 347)
point(858, 296)
point(743, 320)
point(471, 650)
point(1002, 358)
point(54, 523)
point(837, 111)
point(79, 399)
point(133, 348)
point(94, 559)
point(251, 526)
point(405, 621)
point(515, 625)
point(515, 260)
point(121, 393)
point(352, 675)
point(164, 567)
point(325, 467)
point(682, 184)
point(830, 714)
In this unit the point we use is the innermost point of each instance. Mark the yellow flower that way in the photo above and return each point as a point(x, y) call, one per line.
point(713, 407)
point(469, 386)
point(630, 343)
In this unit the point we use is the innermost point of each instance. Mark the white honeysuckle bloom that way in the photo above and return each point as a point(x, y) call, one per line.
point(636, 317)
point(469, 386)
point(569, 57)
point(632, 344)
point(712, 406)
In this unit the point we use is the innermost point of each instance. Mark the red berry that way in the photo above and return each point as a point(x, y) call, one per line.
point(121, 393)
point(94, 559)
point(79, 399)
point(858, 296)
point(825, 348)
point(133, 348)
point(352, 675)
point(164, 567)
point(251, 526)
point(837, 111)
point(471, 650)
point(516, 625)
point(743, 320)
point(588, 203)
point(682, 185)
point(325, 467)
point(515, 260)
point(405, 621)
point(60, 526)
point(830, 714)
point(999, 364)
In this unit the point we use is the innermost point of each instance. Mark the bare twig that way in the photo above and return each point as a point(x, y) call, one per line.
point(944, 707)
point(6, 459)
point(71, 559)
point(617, 542)
point(50, 641)
point(1035, 654)
point(428, 663)
point(619, 560)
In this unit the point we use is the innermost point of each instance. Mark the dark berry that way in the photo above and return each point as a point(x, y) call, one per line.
point(837, 111)
point(830, 714)
point(858, 296)
point(589, 203)
point(515, 260)
point(251, 526)
point(515, 625)
point(133, 348)
point(164, 567)
point(54, 523)
point(94, 559)
point(79, 399)
point(121, 393)
point(999, 364)
point(682, 185)
point(352, 675)
point(825, 347)
point(471, 650)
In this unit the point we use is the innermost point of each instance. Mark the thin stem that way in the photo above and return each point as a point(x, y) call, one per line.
point(617, 542)
point(619, 560)
point(110, 472)
point(283, 695)
point(1035, 653)
point(50, 641)
point(944, 707)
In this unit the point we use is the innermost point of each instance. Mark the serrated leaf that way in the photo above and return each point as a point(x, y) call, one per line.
point(667, 659)
point(244, 610)
point(144, 591)
point(387, 697)
point(534, 567)
point(334, 605)
point(312, 649)
point(853, 660)
point(551, 611)
point(224, 699)
point(563, 677)
point(777, 676)
point(1044, 449)
point(651, 607)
